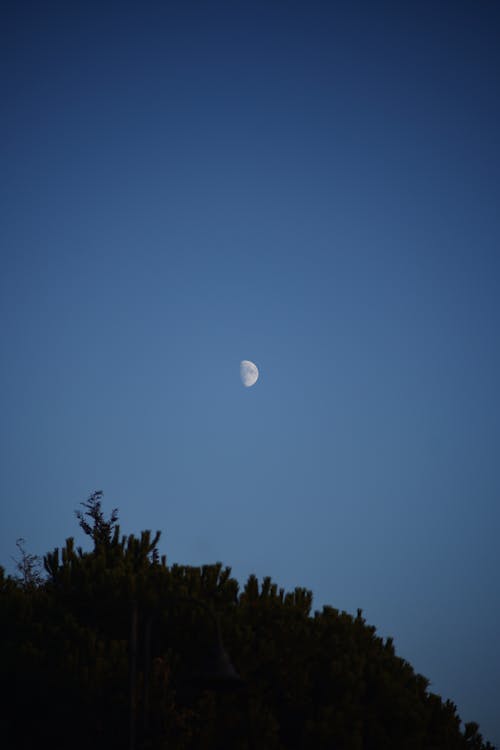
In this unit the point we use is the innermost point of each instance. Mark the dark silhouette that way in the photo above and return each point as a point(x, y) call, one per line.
point(97, 654)
point(92, 520)
point(28, 566)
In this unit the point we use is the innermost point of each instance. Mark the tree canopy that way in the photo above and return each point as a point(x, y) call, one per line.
point(99, 652)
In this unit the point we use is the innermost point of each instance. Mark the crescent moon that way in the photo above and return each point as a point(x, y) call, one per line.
point(248, 372)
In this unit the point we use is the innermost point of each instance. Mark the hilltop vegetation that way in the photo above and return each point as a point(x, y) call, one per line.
point(105, 652)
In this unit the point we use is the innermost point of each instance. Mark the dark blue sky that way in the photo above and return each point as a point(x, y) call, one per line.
point(312, 186)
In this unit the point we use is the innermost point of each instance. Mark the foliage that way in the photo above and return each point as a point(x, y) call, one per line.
point(28, 567)
point(99, 652)
point(92, 520)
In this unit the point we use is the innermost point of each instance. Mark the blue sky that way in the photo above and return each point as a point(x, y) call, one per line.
point(311, 186)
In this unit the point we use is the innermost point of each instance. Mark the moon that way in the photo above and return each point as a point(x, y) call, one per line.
point(248, 373)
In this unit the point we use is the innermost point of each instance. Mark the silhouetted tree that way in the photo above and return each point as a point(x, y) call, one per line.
point(93, 522)
point(315, 681)
point(29, 566)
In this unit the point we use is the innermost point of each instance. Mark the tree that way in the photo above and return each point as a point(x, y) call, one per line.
point(93, 522)
point(28, 567)
point(322, 680)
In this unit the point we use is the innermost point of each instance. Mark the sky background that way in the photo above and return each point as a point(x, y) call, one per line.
point(313, 186)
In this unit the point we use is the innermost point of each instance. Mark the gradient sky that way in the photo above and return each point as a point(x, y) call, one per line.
point(313, 186)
